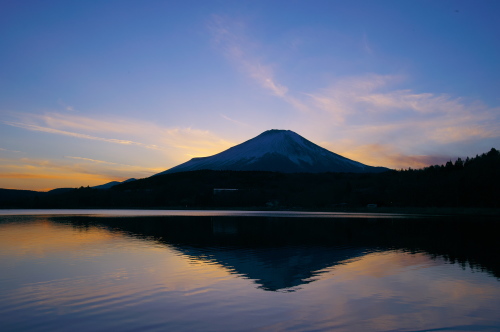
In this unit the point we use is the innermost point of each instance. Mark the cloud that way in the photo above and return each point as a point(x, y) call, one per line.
point(373, 112)
point(31, 176)
point(78, 135)
point(344, 97)
point(175, 145)
point(387, 155)
point(75, 122)
point(367, 119)
point(7, 150)
point(195, 142)
point(87, 166)
point(97, 161)
point(264, 75)
point(365, 44)
point(228, 36)
point(235, 121)
point(66, 106)
point(176, 142)
point(66, 173)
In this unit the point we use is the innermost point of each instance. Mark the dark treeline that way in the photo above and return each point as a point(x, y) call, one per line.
point(473, 182)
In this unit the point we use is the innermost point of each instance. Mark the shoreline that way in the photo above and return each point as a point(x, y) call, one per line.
point(436, 211)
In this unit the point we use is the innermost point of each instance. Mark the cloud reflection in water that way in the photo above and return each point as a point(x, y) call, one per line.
point(236, 274)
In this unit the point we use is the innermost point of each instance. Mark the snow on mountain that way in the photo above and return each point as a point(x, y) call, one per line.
point(278, 151)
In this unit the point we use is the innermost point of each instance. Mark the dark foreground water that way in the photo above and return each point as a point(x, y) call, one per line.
point(218, 271)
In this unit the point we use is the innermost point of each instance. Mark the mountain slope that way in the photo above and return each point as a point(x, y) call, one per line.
point(278, 151)
point(112, 184)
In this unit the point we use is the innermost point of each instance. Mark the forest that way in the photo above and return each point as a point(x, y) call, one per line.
point(473, 182)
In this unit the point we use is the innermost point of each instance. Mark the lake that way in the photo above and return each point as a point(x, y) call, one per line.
point(135, 270)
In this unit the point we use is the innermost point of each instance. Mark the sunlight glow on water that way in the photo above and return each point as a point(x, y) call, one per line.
point(65, 273)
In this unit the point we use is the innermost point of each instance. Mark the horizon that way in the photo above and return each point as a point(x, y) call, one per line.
point(97, 92)
point(164, 172)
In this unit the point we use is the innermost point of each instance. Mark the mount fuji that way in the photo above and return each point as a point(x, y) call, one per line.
point(277, 151)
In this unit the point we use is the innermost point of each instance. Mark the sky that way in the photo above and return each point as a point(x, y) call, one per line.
point(99, 91)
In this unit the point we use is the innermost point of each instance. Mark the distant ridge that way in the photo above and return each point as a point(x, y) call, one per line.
point(112, 184)
point(277, 151)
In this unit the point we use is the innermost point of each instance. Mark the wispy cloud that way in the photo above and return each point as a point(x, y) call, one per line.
point(33, 176)
point(94, 160)
point(175, 142)
point(371, 110)
point(228, 35)
point(97, 161)
point(45, 175)
point(78, 135)
point(109, 168)
point(80, 123)
point(365, 44)
point(343, 98)
point(69, 172)
point(386, 155)
point(195, 142)
point(51, 165)
point(235, 121)
point(66, 106)
point(7, 150)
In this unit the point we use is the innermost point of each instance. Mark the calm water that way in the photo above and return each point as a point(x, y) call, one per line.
point(246, 271)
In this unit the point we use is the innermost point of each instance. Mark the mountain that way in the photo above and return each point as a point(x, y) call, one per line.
point(278, 151)
point(112, 184)
point(58, 191)
point(14, 194)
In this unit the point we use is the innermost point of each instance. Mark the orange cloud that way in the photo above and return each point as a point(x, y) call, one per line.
point(176, 142)
point(194, 142)
point(44, 175)
point(399, 128)
point(388, 156)
point(30, 176)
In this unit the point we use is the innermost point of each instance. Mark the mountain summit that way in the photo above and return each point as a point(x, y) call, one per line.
point(278, 151)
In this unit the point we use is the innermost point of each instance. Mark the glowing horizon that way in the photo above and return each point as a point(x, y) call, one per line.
point(89, 97)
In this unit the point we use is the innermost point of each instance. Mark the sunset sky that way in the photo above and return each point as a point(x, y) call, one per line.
point(96, 91)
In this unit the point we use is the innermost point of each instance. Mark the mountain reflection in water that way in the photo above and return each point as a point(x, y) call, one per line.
point(283, 253)
point(223, 273)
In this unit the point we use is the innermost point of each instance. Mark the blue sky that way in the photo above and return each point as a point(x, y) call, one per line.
point(95, 91)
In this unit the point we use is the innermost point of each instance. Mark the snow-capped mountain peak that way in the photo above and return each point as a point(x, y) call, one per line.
point(279, 151)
